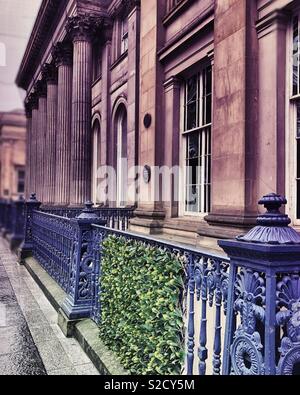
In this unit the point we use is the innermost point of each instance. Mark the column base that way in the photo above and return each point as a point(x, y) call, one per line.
point(148, 222)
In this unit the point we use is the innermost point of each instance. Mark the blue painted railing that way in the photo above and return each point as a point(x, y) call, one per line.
point(53, 240)
point(206, 282)
point(263, 321)
point(242, 314)
point(116, 218)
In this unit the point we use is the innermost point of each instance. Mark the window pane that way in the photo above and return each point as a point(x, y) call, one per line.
point(192, 89)
point(21, 187)
point(207, 96)
point(21, 174)
point(192, 198)
point(124, 35)
point(192, 171)
point(193, 145)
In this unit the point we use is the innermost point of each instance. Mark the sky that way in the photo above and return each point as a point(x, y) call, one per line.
point(16, 21)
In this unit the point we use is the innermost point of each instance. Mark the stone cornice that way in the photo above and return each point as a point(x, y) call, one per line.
point(275, 19)
point(51, 13)
point(45, 23)
point(172, 82)
point(121, 8)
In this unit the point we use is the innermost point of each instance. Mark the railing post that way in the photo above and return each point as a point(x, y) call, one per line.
point(17, 223)
point(262, 326)
point(79, 302)
point(27, 246)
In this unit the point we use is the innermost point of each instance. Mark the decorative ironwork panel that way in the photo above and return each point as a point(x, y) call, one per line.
point(53, 245)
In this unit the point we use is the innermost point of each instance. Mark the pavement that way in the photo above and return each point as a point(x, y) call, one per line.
point(31, 342)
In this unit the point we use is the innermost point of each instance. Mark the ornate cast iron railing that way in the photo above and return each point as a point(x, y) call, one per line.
point(256, 293)
point(53, 239)
point(116, 218)
point(206, 287)
point(263, 320)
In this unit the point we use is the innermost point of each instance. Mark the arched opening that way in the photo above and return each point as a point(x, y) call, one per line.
point(121, 156)
point(96, 160)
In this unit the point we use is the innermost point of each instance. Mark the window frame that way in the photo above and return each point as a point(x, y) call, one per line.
point(96, 158)
point(124, 36)
point(20, 180)
point(97, 61)
point(183, 142)
point(290, 125)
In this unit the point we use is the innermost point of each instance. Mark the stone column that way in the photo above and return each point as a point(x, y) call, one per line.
point(171, 142)
point(235, 119)
point(150, 212)
point(81, 28)
point(105, 102)
point(28, 111)
point(133, 96)
point(62, 54)
point(50, 75)
point(33, 153)
point(41, 139)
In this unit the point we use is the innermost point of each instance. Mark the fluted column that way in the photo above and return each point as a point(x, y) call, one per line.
point(50, 75)
point(41, 139)
point(33, 150)
point(81, 29)
point(28, 111)
point(63, 58)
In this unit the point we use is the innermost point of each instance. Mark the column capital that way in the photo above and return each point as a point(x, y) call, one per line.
point(277, 19)
point(62, 53)
point(83, 27)
point(28, 108)
point(33, 100)
point(107, 30)
point(40, 88)
point(49, 73)
point(172, 83)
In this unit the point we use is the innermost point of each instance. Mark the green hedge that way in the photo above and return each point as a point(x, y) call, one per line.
point(141, 317)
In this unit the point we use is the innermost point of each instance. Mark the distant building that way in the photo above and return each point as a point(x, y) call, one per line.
point(12, 154)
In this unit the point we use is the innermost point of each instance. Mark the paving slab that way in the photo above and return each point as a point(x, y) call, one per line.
point(31, 342)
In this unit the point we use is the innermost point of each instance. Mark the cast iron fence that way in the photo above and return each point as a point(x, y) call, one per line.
point(116, 218)
point(247, 308)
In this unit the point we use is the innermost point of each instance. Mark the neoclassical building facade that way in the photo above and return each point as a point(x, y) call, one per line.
point(212, 86)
